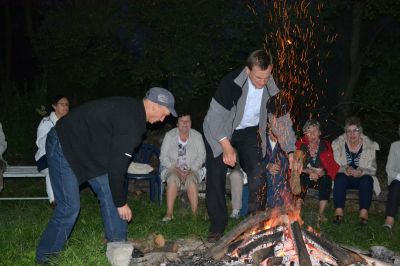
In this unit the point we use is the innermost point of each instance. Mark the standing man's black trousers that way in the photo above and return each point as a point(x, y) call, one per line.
point(247, 146)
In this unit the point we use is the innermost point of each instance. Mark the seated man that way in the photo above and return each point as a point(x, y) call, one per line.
point(182, 156)
point(3, 147)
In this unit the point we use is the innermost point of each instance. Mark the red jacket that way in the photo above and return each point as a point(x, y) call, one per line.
point(325, 155)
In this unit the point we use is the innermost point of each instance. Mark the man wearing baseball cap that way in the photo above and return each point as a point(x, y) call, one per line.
point(94, 143)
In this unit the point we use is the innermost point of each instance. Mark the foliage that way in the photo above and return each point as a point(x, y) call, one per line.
point(124, 47)
point(377, 98)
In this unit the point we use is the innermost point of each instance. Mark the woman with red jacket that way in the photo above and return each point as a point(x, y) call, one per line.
point(320, 168)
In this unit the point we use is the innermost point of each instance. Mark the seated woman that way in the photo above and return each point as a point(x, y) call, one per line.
point(182, 155)
point(276, 167)
point(319, 167)
point(393, 172)
point(60, 107)
point(356, 155)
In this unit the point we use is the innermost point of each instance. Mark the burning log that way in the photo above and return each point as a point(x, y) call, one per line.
point(262, 254)
point(342, 256)
point(260, 241)
point(304, 258)
point(274, 261)
point(218, 250)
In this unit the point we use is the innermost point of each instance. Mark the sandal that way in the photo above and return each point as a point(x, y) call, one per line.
point(167, 219)
point(363, 221)
point(338, 219)
point(322, 218)
point(388, 227)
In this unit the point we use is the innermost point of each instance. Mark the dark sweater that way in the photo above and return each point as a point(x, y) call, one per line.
point(96, 136)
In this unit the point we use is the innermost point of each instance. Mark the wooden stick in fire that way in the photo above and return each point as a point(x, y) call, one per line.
point(298, 161)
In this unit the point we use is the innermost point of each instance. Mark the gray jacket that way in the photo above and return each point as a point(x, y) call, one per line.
point(3, 142)
point(393, 162)
point(227, 109)
point(195, 151)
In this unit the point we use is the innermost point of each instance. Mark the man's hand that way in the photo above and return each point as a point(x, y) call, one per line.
point(229, 154)
point(125, 213)
point(314, 176)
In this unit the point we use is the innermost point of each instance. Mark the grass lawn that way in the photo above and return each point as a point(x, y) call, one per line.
point(22, 222)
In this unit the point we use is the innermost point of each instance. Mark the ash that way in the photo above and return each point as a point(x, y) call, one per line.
point(200, 261)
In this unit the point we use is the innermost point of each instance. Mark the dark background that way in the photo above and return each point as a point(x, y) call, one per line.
point(331, 59)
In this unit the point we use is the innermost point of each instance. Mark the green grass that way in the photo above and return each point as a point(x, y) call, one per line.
point(22, 222)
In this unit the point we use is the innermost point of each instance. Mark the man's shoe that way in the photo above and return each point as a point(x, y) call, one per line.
point(213, 237)
point(119, 253)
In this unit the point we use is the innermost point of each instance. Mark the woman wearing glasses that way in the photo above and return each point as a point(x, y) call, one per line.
point(356, 155)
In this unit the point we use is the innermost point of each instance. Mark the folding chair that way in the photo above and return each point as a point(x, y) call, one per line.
point(144, 154)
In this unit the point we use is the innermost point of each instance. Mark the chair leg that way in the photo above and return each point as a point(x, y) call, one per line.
point(152, 189)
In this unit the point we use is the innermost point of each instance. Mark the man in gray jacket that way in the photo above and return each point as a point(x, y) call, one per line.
point(236, 115)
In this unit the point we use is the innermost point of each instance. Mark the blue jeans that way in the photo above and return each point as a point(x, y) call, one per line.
point(364, 184)
point(66, 192)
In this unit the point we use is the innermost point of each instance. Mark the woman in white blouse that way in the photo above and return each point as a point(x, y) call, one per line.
point(60, 106)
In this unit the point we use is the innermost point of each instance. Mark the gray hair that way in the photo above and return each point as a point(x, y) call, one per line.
point(353, 121)
point(311, 123)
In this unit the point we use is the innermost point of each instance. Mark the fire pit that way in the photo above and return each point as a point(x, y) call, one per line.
point(275, 237)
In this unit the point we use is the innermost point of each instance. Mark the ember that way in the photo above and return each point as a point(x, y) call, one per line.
point(270, 239)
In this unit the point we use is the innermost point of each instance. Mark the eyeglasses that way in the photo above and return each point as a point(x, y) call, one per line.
point(356, 130)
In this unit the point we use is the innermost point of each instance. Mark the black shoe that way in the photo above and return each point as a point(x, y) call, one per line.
point(137, 253)
point(213, 237)
point(338, 219)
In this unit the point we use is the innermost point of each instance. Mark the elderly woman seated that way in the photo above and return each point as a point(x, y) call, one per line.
point(182, 156)
point(356, 155)
point(393, 173)
point(319, 167)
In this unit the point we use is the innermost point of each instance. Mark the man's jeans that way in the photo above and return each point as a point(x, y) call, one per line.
point(66, 192)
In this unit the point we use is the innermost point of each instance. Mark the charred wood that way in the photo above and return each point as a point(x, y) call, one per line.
point(262, 254)
point(218, 250)
point(259, 241)
point(274, 261)
point(235, 245)
point(304, 258)
point(342, 256)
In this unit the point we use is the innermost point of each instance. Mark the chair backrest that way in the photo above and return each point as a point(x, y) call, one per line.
point(145, 152)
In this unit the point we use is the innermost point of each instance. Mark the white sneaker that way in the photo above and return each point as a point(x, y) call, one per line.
point(235, 214)
point(119, 253)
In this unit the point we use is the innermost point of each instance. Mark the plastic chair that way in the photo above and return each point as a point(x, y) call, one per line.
point(144, 154)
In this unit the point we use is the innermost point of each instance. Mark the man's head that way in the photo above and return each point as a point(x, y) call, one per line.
point(184, 123)
point(158, 104)
point(259, 68)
